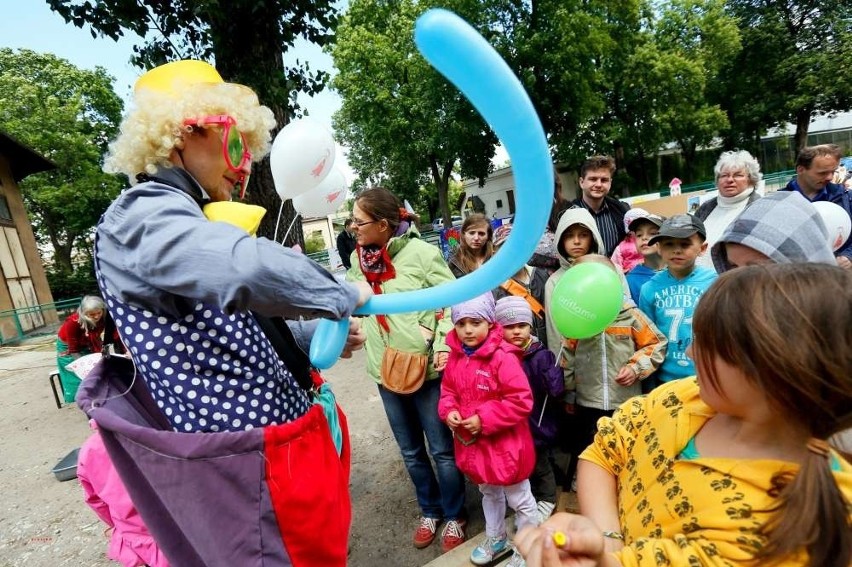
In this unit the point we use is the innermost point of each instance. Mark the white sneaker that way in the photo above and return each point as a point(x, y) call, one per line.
point(545, 509)
point(492, 547)
point(517, 560)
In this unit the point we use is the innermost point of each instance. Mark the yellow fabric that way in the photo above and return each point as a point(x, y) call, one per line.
point(676, 512)
point(241, 215)
point(172, 77)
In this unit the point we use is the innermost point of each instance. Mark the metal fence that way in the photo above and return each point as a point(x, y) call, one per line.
point(35, 320)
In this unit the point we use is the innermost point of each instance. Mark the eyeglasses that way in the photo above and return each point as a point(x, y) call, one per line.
point(737, 176)
point(234, 145)
point(360, 223)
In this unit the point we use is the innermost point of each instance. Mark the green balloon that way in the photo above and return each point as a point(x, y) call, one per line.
point(586, 301)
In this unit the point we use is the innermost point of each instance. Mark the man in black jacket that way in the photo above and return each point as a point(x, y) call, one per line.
point(595, 182)
point(346, 243)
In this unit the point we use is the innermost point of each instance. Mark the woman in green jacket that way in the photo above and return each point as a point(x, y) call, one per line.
point(392, 258)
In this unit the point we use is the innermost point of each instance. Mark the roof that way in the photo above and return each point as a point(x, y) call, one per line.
point(23, 160)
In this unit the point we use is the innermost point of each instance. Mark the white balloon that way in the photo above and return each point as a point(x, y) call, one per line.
point(302, 155)
point(837, 222)
point(325, 198)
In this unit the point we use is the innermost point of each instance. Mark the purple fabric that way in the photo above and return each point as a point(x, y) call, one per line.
point(511, 310)
point(203, 496)
point(548, 385)
point(480, 307)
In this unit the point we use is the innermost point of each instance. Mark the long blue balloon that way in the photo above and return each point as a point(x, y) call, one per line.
point(463, 56)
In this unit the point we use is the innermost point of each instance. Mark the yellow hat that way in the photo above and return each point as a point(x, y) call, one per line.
point(172, 77)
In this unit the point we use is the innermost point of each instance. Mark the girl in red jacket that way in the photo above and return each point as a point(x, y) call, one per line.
point(486, 400)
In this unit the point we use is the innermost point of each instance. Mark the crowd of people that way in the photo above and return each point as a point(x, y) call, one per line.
point(699, 421)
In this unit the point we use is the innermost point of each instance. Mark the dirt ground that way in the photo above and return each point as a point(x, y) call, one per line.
point(44, 522)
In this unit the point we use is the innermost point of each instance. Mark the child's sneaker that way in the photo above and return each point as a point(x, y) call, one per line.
point(489, 549)
point(545, 509)
point(425, 533)
point(517, 560)
point(453, 535)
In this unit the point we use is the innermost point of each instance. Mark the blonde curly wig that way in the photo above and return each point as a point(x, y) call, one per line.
point(154, 126)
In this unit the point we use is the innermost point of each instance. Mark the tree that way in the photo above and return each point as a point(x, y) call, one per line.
point(68, 115)
point(245, 38)
point(403, 122)
point(792, 65)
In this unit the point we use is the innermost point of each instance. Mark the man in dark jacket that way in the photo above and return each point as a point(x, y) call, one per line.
point(346, 243)
point(815, 168)
point(595, 181)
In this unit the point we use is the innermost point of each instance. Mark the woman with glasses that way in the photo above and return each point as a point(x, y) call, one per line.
point(392, 258)
point(737, 177)
point(200, 306)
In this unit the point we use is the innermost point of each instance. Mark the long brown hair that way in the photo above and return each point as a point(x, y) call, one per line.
point(467, 258)
point(788, 328)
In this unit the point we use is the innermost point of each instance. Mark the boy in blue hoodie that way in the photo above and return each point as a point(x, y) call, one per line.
point(670, 297)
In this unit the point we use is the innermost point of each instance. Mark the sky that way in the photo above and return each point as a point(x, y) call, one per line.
point(30, 24)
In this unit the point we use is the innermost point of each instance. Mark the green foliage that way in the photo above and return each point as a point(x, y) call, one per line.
point(314, 243)
point(403, 122)
point(67, 285)
point(793, 65)
point(68, 115)
point(246, 38)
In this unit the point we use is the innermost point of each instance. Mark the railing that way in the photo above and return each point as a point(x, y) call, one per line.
point(17, 324)
point(772, 181)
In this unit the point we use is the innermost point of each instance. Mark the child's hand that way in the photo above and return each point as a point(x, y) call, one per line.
point(439, 361)
point(582, 543)
point(626, 376)
point(473, 424)
point(454, 419)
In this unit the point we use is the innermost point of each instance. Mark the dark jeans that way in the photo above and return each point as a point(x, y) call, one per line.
point(543, 479)
point(586, 424)
point(414, 421)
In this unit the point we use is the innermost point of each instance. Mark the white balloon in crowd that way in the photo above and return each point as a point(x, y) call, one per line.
point(325, 198)
point(837, 222)
point(302, 156)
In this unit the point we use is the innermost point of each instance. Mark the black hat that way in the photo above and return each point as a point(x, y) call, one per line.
point(680, 226)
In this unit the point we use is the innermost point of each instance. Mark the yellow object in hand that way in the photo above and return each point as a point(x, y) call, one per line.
point(559, 539)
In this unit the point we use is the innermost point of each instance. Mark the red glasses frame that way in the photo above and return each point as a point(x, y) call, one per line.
point(234, 146)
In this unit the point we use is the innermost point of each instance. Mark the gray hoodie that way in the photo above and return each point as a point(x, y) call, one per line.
point(568, 218)
point(783, 226)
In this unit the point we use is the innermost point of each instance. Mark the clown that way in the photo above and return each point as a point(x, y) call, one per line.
point(200, 306)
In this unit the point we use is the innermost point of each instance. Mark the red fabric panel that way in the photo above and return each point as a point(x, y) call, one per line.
point(309, 486)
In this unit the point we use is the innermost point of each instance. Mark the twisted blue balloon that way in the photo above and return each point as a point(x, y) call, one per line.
point(463, 56)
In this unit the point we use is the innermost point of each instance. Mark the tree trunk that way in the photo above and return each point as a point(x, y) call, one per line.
point(688, 152)
point(247, 47)
point(803, 122)
point(442, 184)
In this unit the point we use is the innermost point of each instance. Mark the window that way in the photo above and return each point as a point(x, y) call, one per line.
point(499, 203)
point(5, 215)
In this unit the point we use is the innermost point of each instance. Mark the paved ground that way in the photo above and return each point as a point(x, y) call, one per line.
point(45, 523)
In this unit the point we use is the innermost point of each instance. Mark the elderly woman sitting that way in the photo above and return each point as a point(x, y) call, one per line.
point(737, 176)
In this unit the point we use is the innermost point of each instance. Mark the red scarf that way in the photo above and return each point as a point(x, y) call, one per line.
point(377, 267)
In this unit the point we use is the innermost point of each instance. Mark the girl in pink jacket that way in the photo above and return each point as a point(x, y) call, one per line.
point(486, 400)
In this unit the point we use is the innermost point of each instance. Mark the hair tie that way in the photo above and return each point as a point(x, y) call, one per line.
point(818, 446)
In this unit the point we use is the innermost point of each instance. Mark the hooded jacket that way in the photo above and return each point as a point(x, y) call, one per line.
point(491, 384)
point(838, 195)
point(568, 218)
point(418, 265)
point(547, 385)
point(783, 226)
point(631, 340)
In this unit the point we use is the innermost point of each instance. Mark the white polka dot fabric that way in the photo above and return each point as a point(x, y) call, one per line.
point(208, 371)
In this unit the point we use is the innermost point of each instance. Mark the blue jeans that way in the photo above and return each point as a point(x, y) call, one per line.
point(412, 417)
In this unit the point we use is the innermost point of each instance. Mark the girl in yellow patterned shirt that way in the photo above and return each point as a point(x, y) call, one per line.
point(731, 468)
